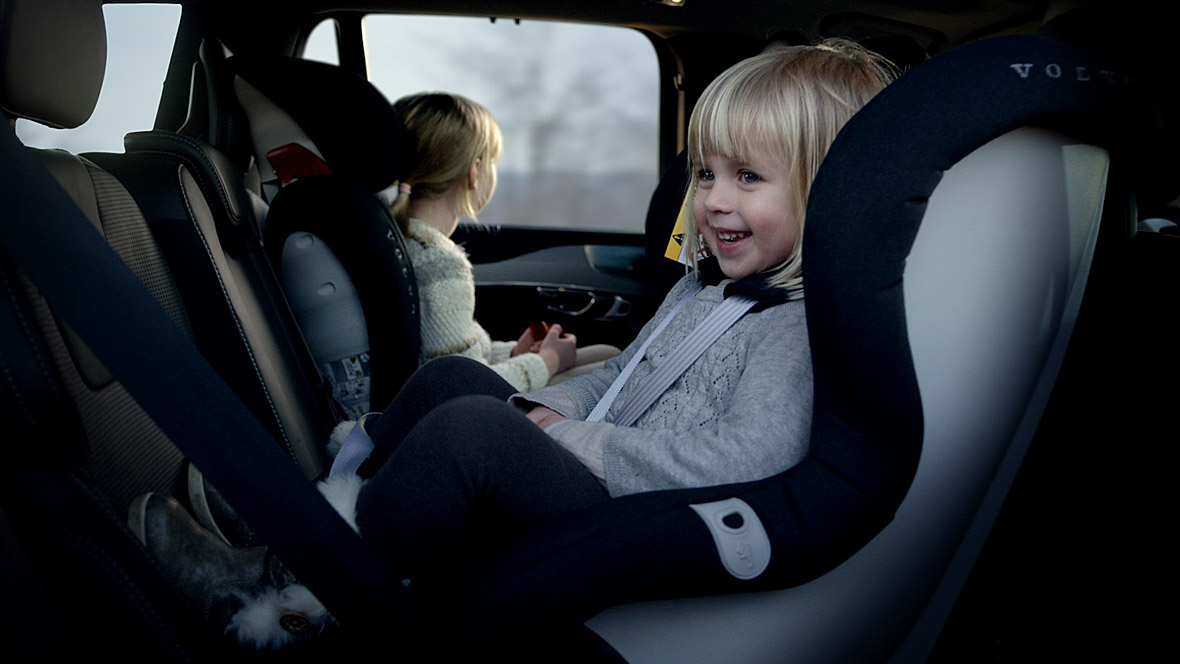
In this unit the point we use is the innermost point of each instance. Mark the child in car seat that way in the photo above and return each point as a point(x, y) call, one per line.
point(454, 175)
point(716, 389)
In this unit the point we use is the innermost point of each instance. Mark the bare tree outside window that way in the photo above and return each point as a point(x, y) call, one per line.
point(578, 106)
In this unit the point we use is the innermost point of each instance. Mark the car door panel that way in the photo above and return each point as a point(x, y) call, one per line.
point(602, 291)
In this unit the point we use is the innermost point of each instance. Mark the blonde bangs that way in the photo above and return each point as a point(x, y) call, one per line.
point(737, 118)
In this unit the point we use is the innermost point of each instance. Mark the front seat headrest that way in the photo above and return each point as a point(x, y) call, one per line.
point(54, 55)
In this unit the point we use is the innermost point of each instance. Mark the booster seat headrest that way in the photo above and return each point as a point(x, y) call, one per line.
point(348, 122)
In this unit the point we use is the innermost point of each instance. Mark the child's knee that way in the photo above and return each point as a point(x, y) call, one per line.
point(445, 368)
point(473, 418)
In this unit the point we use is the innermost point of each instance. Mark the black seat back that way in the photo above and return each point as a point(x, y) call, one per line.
point(663, 213)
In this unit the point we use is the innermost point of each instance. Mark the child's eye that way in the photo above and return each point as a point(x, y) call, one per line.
point(749, 177)
point(705, 175)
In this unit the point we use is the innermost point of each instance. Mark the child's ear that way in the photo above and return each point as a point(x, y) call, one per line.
point(473, 176)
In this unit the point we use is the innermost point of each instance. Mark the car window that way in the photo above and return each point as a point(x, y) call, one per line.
point(139, 45)
point(578, 105)
point(321, 44)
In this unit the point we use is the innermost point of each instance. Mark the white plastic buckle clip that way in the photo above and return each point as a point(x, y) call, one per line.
point(741, 540)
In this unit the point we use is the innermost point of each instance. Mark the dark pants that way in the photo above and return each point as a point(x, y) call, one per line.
point(455, 467)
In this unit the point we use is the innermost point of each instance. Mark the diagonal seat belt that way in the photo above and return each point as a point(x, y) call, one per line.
point(89, 287)
point(692, 347)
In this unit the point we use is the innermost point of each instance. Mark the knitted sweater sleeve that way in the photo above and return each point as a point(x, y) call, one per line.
point(446, 297)
point(525, 372)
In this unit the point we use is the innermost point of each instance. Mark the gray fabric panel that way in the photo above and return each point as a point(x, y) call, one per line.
point(71, 173)
point(129, 236)
point(128, 452)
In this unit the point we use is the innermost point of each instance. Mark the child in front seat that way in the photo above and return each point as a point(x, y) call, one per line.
point(716, 389)
point(454, 175)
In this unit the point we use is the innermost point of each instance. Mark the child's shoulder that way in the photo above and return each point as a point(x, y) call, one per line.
point(423, 233)
point(689, 281)
point(778, 322)
point(426, 241)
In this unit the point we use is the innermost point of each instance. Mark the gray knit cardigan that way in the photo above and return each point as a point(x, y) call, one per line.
point(741, 412)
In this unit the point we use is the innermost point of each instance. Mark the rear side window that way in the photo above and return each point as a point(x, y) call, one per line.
point(139, 46)
point(321, 44)
point(578, 106)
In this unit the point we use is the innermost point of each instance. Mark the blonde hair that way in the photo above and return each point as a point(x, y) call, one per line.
point(788, 104)
point(452, 133)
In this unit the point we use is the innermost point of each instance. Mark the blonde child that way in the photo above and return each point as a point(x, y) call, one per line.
point(742, 411)
point(463, 461)
point(454, 176)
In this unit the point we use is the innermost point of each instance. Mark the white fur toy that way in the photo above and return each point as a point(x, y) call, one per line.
point(277, 617)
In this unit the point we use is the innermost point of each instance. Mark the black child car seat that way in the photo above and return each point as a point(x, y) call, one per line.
point(326, 142)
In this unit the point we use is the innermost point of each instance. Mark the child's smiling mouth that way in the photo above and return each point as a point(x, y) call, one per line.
point(729, 236)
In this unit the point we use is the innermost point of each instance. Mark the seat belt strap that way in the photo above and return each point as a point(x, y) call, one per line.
point(690, 349)
point(612, 392)
point(694, 345)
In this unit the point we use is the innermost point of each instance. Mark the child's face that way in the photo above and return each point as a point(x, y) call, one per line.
point(745, 212)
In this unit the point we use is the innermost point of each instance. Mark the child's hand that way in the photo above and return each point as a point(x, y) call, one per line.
point(559, 350)
point(543, 417)
point(530, 339)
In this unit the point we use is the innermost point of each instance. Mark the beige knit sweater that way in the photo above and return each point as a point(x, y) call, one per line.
point(446, 297)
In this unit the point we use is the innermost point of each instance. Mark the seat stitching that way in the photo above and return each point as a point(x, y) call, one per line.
point(233, 313)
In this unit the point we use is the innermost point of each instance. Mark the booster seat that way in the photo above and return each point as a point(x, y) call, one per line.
point(326, 142)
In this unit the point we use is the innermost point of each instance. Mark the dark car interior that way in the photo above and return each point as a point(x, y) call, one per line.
point(991, 247)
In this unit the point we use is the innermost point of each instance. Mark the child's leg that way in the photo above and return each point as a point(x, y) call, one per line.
point(436, 383)
point(473, 469)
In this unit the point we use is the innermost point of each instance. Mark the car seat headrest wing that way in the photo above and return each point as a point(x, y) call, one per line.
point(660, 227)
point(54, 58)
point(336, 114)
point(860, 228)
